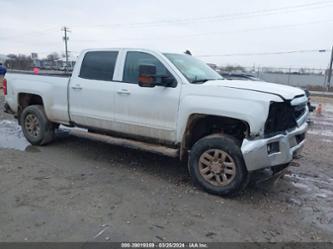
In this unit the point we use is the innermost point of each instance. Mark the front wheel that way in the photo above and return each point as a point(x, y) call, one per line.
point(37, 129)
point(216, 164)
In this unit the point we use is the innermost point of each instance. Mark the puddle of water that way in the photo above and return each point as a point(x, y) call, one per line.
point(324, 133)
point(311, 184)
point(327, 107)
point(323, 123)
point(307, 179)
point(11, 136)
point(324, 193)
point(327, 140)
point(305, 187)
point(321, 118)
point(321, 195)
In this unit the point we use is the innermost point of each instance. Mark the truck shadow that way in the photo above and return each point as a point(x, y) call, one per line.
point(97, 152)
point(166, 168)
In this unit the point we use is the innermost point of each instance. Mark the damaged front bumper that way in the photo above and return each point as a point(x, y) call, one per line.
point(273, 151)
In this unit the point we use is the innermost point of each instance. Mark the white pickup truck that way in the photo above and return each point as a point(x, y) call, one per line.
point(172, 104)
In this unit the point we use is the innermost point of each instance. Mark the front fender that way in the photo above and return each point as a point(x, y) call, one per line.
point(254, 113)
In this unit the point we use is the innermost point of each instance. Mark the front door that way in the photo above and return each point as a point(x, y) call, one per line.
point(142, 111)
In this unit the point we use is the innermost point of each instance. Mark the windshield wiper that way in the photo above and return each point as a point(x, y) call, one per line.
point(201, 80)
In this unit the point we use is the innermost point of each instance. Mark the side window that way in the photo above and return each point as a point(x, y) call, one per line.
point(98, 65)
point(135, 59)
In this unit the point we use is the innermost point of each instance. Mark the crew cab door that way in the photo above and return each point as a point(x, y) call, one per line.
point(91, 90)
point(143, 111)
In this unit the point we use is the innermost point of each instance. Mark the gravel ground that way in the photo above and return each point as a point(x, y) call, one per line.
point(77, 189)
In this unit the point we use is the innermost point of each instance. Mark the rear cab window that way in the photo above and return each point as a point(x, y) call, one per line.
point(99, 65)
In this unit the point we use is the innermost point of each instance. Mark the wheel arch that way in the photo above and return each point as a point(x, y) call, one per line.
point(28, 99)
point(201, 125)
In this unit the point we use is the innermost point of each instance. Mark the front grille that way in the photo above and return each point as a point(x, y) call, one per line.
point(281, 117)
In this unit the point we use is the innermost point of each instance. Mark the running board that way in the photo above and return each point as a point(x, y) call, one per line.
point(158, 149)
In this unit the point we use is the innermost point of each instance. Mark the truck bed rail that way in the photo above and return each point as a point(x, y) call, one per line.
point(42, 73)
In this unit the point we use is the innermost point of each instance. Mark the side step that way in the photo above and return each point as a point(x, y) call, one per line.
point(158, 149)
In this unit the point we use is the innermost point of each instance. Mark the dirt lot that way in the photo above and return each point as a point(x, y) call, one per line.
point(77, 189)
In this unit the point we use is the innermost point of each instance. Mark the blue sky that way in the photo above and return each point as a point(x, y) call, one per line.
point(208, 27)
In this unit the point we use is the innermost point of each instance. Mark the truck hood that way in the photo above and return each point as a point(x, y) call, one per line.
point(283, 91)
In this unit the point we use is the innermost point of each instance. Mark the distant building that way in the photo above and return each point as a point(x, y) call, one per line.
point(59, 64)
point(3, 58)
point(34, 56)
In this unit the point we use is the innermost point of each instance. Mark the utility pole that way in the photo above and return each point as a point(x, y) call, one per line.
point(330, 71)
point(65, 38)
point(289, 73)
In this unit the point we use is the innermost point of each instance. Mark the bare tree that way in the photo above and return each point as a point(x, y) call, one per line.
point(230, 68)
point(19, 62)
point(53, 57)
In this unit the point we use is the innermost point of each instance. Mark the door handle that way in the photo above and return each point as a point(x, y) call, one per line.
point(77, 87)
point(123, 92)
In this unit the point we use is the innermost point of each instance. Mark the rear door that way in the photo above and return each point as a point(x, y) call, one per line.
point(142, 111)
point(91, 90)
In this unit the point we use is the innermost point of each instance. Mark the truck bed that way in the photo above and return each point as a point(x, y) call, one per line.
point(52, 89)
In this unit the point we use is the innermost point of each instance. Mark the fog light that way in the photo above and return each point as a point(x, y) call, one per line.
point(273, 147)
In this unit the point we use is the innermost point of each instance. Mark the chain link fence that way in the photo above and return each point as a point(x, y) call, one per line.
point(311, 78)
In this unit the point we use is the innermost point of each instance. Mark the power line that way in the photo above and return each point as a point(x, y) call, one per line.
point(235, 15)
point(330, 71)
point(268, 53)
point(212, 33)
point(238, 15)
point(225, 32)
point(263, 28)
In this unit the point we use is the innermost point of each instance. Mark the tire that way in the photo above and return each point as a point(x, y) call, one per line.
point(226, 176)
point(37, 129)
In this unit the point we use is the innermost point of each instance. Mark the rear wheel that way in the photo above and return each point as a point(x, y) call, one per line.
point(216, 164)
point(37, 129)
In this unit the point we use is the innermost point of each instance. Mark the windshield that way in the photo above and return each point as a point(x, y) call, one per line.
point(193, 69)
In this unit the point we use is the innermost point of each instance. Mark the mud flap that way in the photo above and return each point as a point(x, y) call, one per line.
point(7, 109)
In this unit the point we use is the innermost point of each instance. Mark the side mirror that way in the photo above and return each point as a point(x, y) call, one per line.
point(147, 76)
point(168, 81)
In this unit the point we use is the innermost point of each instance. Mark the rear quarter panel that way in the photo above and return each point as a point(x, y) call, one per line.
point(53, 91)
